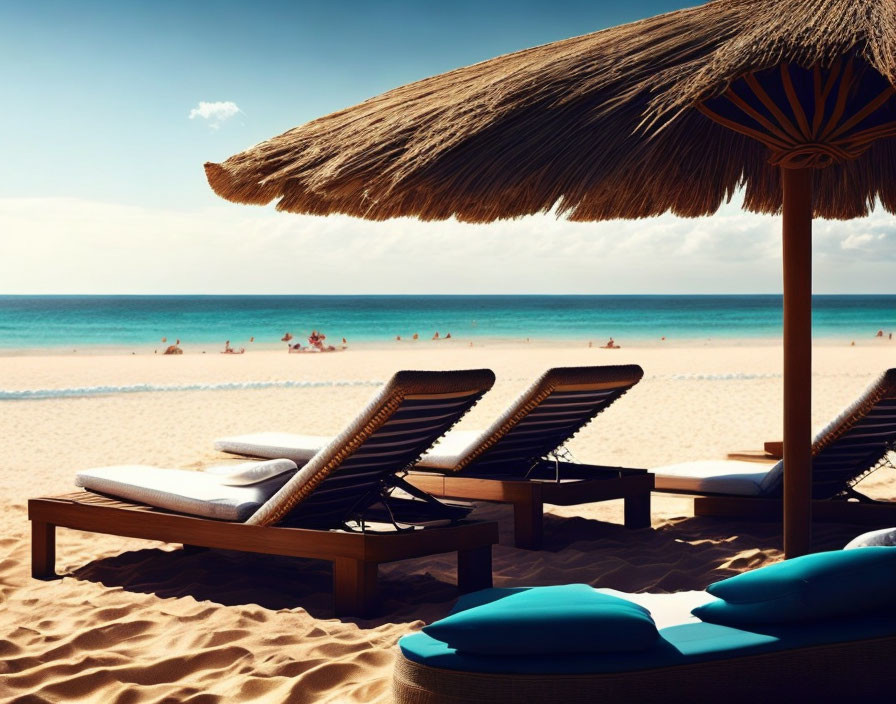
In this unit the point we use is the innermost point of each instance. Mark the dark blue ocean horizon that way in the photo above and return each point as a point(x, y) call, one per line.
point(46, 322)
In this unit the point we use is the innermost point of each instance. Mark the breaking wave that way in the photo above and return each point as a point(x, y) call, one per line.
point(87, 391)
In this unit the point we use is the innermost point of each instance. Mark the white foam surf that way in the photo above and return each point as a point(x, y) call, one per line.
point(88, 391)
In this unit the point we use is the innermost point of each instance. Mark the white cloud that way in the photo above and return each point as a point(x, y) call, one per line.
point(216, 112)
point(60, 245)
point(855, 241)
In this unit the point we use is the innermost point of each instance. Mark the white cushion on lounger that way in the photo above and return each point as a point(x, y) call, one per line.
point(666, 609)
point(298, 448)
point(194, 493)
point(244, 473)
point(734, 477)
point(884, 536)
point(448, 451)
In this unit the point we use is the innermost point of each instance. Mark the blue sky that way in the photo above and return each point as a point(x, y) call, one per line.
point(102, 188)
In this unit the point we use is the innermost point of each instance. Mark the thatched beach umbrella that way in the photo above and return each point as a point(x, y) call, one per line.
point(789, 100)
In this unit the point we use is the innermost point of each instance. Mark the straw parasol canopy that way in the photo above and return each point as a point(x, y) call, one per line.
point(790, 100)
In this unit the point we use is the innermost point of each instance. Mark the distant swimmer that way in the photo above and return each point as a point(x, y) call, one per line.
point(415, 336)
point(448, 336)
point(880, 333)
point(436, 336)
point(286, 338)
point(398, 337)
point(611, 345)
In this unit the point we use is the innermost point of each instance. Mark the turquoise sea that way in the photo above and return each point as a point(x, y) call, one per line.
point(60, 322)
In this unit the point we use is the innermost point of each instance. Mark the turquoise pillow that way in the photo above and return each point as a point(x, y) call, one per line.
point(808, 588)
point(572, 618)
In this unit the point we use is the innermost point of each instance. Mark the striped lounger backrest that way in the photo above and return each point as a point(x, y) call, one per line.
point(852, 445)
point(557, 406)
point(403, 420)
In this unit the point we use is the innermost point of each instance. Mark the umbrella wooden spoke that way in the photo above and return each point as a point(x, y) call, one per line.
point(802, 128)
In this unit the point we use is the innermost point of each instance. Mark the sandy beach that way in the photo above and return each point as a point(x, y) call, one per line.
point(134, 621)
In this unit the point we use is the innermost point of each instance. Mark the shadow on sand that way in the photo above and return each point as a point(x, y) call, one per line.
point(686, 553)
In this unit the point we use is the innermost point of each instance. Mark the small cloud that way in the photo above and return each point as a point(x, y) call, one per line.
point(857, 241)
point(215, 113)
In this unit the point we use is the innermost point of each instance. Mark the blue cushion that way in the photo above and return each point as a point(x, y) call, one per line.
point(812, 587)
point(572, 618)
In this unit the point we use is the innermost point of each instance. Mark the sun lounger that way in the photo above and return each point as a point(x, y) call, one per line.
point(827, 647)
point(518, 459)
point(856, 443)
point(505, 462)
point(299, 513)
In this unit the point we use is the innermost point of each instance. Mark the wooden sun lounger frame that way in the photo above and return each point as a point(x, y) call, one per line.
point(863, 511)
point(587, 484)
point(579, 483)
point(848, 507)
point(355, 556)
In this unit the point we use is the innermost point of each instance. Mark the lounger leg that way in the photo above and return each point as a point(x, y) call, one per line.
point(354, 586)
point(43, 550)
point(528, 515)
point(637, 510)
point(474, 569)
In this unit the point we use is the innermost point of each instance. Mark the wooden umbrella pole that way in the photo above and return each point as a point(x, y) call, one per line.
point(797, 236)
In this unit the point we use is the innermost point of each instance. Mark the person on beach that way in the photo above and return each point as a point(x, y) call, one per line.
point(611, 345)
point(415, 337)
point(286, 338)
point(448, 336)
point(436, 336)
point(880, 333)
point(316, 340)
